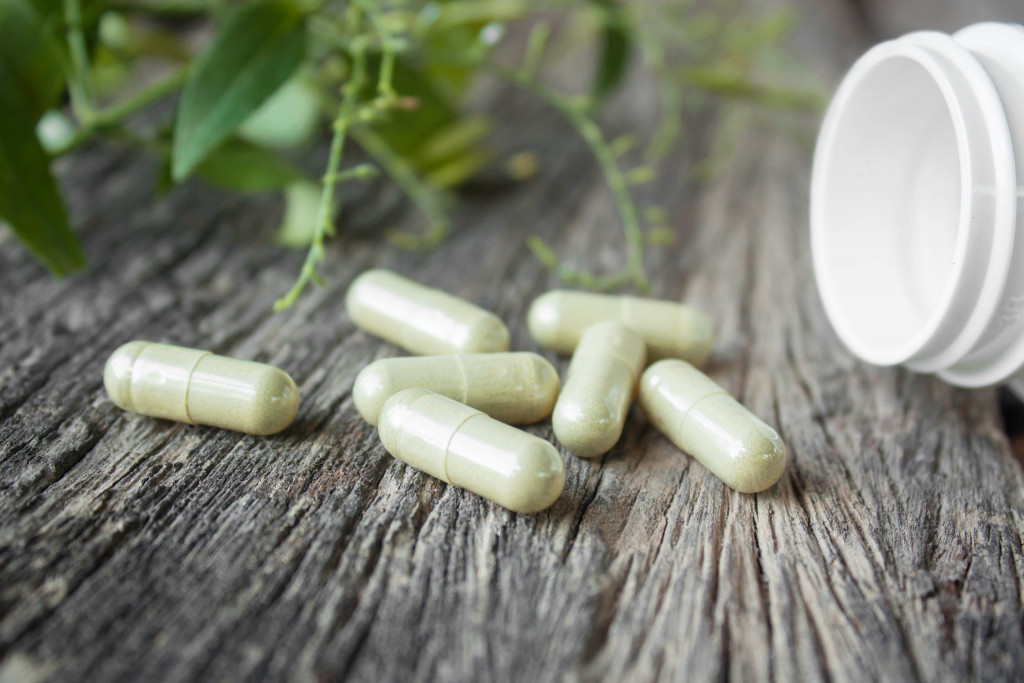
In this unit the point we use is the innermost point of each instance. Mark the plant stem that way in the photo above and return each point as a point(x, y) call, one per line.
point(117, 112)
point(728, 83)
point(397, 168)
point(421, 194)
point(535, 44)
point(633, 271)
point(387, 69)
point(144, 96)
point(385, 90)
point(80, 85)
point(324, 223)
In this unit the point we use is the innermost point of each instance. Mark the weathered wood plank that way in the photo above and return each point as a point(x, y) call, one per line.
point(134, 548)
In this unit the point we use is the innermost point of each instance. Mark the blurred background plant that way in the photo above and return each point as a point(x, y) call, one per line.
point(256, 80)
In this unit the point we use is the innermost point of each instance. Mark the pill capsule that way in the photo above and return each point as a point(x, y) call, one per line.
point(463, 447)
point(516, 388)
point(422, 320)
point(599, 386)
point(198, 387)
point(703, 420)
point(671, 330)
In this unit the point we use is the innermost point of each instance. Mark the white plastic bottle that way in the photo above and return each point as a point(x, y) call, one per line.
point(917, 205)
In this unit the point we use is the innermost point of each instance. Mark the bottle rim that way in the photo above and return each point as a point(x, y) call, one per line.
point(1002, 43)
point(994, 207)
point(859, 78)
point(970, 295)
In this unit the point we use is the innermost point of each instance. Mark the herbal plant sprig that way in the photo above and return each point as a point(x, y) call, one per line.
point(113, 116)
point(399, 170)
point(575, 111)
point(347, 113)
point(423, 197)
point(387, 73)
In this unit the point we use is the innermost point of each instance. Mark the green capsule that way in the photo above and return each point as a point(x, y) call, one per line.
point(599, 387)
point(198, 387)
point(516, 388)
point(702, 419)
point(463, 447)
point(421, 320)
point(670, 329)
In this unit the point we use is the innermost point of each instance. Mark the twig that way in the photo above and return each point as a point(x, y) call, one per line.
point(115, 114)
point(421, 194)
point(347, 113)
point(633, 271)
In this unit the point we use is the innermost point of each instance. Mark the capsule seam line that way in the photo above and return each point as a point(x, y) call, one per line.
point(529, 375)
point(131, 374)
point(686, 415)
point(448, 446)
point(629, 368)
point(188, 384)
point(465, 380)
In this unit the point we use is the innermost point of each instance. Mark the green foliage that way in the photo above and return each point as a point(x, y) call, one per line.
point(243, 167)
point(389, 76)
point(615, 50)
point(430, 134)
point(287, 119)
point(32, 54)
point(29, 200)
point(301, 205)
point(257, 49)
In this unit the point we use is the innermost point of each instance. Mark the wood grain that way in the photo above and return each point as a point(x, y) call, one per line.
point(132, 548)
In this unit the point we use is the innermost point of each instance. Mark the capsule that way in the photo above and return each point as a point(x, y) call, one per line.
point(515, 388)
point(705, 421)
point(671, 330)
point(599, 387)
point(463, 447)
point(422, 320)
point(198, 387)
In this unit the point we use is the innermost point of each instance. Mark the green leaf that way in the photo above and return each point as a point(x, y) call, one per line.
point(432, 136)
point(259, 47)
point(615, 51)
point(32, 54)
point(462, 27)
point(29, 200)
point(301, 209)
point(164, 182)
point(452, 140)
point(244, 167)
point(287, 119)
point(405, 129)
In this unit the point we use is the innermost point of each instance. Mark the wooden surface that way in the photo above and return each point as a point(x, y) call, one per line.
point(133, 548)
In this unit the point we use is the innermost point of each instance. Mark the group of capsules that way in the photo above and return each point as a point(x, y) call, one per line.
point(448, 410)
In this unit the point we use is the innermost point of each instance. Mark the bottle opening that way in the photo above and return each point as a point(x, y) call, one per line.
point(887, 199)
